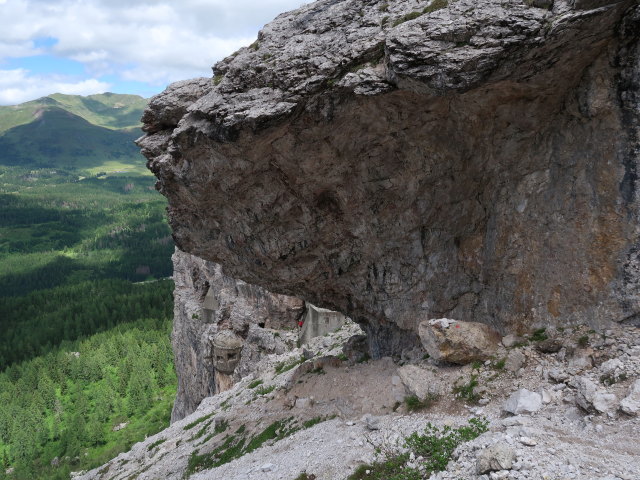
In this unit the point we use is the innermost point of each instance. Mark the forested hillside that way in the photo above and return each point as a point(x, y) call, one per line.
point(70, 131)
point(85, 299)
point(57, 138)
point(63, 241)
point(61, 411)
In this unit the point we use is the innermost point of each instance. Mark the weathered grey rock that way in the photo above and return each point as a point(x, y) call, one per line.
point(120, 426)
point(591, 398)
point(612, 371)
point(546, 396)
point(631, 403)
point(558, 375)
point(356, 348)
point(511, 340)
point(267, 467)
point(413, 355)
point(523, 401)
point(259, 342)
point(589, 4)
point(496, 457)
point(424, 169)
point(550, 345)
point(605, 402)
point(581, 360)
point(515, 361)
point(421, 382)
point(453, 341)
point(207, 301)
point(541, 3)
point(371, 422)
point(528, 441)
point(304, 403)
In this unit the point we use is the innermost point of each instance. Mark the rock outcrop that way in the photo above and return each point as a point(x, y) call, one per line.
point(447, 340)
point(496, 457)
point(400, 161)
point(631, 403)
point(523, 401)
point(207, 302)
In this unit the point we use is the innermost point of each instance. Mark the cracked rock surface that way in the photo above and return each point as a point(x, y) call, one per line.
point(399, 162)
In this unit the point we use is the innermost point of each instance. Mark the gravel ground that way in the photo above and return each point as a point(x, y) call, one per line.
point(558, 440)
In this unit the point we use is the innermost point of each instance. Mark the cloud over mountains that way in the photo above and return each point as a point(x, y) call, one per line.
point(92, 45)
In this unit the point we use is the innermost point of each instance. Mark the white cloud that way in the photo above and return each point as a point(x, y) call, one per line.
point(17, 86)
point(144, 40)
point(17, 49)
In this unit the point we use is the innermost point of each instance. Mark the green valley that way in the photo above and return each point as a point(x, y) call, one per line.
point(85, 298)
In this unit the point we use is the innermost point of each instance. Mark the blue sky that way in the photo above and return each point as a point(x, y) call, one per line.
point(124, 46)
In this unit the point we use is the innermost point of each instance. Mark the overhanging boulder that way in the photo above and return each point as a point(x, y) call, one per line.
point(476, 161)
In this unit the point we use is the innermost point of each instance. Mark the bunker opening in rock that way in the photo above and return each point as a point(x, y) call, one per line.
point(319, 321)
point(227, 347)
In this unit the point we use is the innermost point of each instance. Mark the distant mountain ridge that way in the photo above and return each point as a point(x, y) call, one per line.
point(109, 110)
point(71, 131)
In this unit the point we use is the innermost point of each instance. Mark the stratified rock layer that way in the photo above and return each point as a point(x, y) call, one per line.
point(478, 162)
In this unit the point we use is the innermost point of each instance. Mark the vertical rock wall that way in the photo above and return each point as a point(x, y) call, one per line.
point(206, 302)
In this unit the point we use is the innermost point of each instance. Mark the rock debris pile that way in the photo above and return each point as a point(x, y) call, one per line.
point(569, 414)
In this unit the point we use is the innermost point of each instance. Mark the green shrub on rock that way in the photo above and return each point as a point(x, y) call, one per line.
point(434, 447)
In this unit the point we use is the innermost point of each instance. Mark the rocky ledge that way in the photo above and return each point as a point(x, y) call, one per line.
point(406, 160)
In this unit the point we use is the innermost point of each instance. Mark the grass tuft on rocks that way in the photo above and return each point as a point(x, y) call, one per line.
point(286, 366)
point(415, 403)
point(239, 444)
point(265, 390)
point(406, 18)
point(221, 426)
point(155, 444)
point(465, 391)
point(305, 476)
point(435, 5)
point(199, 420)
point(432, 450)
point(539, 335)
point(255, 383)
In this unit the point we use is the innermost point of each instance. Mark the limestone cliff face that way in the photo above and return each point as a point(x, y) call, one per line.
point(397, 161)
point(206, 302)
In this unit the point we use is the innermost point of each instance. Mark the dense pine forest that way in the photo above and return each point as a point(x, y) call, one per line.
point(62, 411)
point(86, 367)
